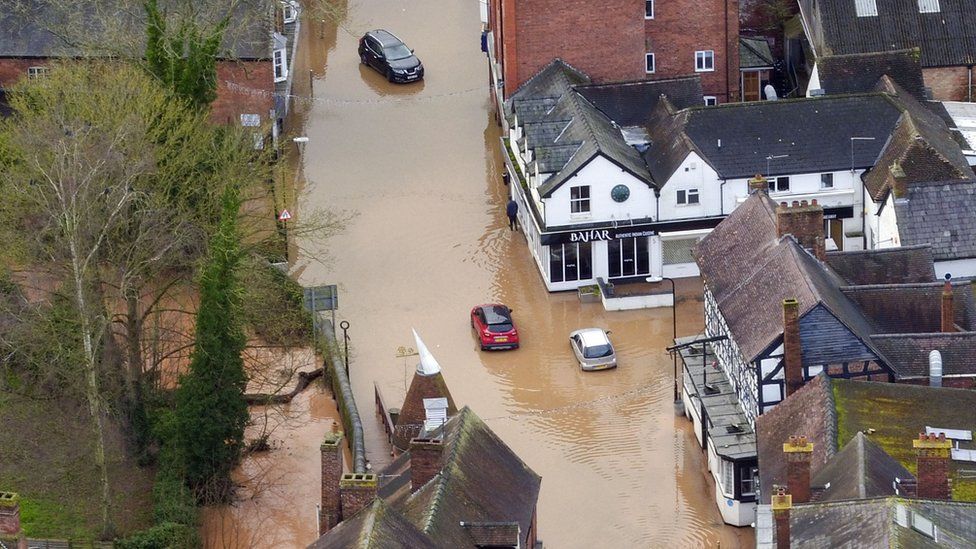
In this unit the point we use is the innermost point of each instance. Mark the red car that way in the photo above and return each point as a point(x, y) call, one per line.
point(494, 325)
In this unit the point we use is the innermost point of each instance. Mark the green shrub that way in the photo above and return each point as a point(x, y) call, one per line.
point(166, 535)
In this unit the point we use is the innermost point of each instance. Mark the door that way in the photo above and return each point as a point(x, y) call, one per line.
point(834, 229)
point(375, 54)
point(570, 262)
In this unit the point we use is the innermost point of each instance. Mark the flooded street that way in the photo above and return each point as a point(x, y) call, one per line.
point(418, 168)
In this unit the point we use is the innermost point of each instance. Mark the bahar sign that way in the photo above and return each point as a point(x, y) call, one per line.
point(595, 235)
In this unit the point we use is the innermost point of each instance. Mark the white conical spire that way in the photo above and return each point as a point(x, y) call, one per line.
point(428, 364)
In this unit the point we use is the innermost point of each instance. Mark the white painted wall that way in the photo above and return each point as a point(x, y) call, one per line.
point(887, 235)
point(814, 83)
point(601, 175)
point(693, 173)
point(955, 267)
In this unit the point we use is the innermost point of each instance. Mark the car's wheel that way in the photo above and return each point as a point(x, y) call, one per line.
point(363, 60)
point(389, 75)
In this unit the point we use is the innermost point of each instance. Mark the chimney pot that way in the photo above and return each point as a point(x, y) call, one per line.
point(796, 203)
point(757, 184)
point(813, 202)
point(781, 503)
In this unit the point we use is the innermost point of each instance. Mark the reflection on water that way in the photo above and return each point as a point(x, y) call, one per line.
point(419, 166)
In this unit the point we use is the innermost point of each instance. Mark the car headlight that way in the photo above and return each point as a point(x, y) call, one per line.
point(400, 71)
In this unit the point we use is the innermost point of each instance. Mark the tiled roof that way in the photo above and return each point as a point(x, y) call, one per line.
point(945, 37)
point(669, 145)
point(493, 534)
point(36, 30)
point(942, 215)
point(912, 308)
point(754, 53)
point(552, 81)
point(376, 526)
point(859, 470)
point(873, 523)
point(909, 353)
point(813, 134)
point(631, 103)
point(533, 110)
point(859, 73)
point(902, 265)
point(412, 414)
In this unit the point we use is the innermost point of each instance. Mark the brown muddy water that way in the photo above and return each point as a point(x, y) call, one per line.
point(418, 168)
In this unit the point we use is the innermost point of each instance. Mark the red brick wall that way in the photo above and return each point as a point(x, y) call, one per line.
point(954, 382)
point(608, 40)
point(356, 491)
point(330, 511)
point(425, 461)
point(243, 87)
point(947, 83)
point(12, 70)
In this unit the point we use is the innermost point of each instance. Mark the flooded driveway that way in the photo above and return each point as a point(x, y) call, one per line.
point(418, 168)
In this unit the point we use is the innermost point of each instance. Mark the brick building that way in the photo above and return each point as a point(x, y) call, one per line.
point(616, 40)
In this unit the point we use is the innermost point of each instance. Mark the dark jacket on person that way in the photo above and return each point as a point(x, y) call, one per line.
point(512, 208)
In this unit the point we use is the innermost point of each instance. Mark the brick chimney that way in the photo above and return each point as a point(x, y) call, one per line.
point(805, 222)
point(932, 463)
point(899, 182)
point(798, 455)
point(330, 511)
point(792, 357)
point(948, 315)
point(425, 461)
point(356, 491)
point(782, 502)
point(9, 515)
point(758, 184)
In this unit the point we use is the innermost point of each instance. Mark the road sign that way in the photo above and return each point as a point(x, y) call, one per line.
point(322, 298)
point(284, 216)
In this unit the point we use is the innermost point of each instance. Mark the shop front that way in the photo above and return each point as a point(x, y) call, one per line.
point(578, 257)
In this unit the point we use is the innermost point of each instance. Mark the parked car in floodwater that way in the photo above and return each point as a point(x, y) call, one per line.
point(494, 326)
point(593, 349)
point(386, 53)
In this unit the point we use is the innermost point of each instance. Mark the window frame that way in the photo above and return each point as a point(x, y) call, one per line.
point(748, 478)
point(827, 181)
point(578, 202)
point(683, 197)
point(289, 11)
point(283, 64)
point(710, 100)
point(704, 55)
point(649, 56)
point(774, 184)
point(649, 4)
point(37, 71)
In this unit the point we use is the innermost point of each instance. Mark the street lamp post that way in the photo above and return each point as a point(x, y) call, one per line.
point(674, 328)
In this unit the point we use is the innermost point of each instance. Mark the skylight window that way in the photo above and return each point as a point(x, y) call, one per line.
point(928, 6)
point(868, 8)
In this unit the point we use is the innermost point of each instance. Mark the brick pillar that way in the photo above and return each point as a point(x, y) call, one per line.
point(792, 352)
point(805, 222)
point(425, 461)
point(782, 502)
point(9, 515)
point(330, 512)
point(932, 461)
point(798, 455)
point(948, 316)
point(356, 491)
point(758, 184)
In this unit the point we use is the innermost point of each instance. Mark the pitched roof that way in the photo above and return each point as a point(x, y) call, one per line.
point(912, 308)
point(754, 53)
point(631, 103)
point(860, 72)
point(413, 413)
point(942, 215)
point(35, 30)
point(552, 81)
point(881, 522)
point(909, 353)
point(945, 37)
point(814, 134)
point(902, 265)
point(376, 526)
point(859, 470)
point(831, 411)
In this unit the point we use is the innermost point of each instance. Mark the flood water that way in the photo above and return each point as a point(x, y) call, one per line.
point(417, 167)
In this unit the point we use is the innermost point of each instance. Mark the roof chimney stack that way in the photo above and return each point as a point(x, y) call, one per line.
point(758, 184)
point(805, 221)
point(798, 456)
point(9, 515)
point(782, 502)
point(792, 350)
point(330, 510)
point(425, 461)
point(948, 315)
point(932, 465)
point(356, 490)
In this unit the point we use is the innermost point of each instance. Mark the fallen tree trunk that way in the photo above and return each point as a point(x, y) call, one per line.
point(304, 379)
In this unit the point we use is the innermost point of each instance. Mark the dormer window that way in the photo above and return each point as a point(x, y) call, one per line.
point(866, 8)
point(928, 6)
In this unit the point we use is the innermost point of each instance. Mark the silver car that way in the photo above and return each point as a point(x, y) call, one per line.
point(593, 349)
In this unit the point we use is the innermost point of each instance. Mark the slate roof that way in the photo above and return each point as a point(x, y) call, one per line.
point(754, 53)
point(376, 526)
point(548, 97)
point(750, 272)
point(873, 523)
point(909, 353)
point(942, 215)
point(631, 103)
point(902, 265)
point(912, 308)
point(36, 30)
point(945, 38)
point(814, 132)
point(859, 73)
point(481, 480)
point(961, 119)
point(831, 412)
point(860, 470)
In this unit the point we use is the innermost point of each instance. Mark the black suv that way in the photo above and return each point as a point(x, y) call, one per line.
point(388, 54)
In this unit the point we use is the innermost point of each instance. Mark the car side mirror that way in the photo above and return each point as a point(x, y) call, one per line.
point(411, 50)
point(608, 332)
